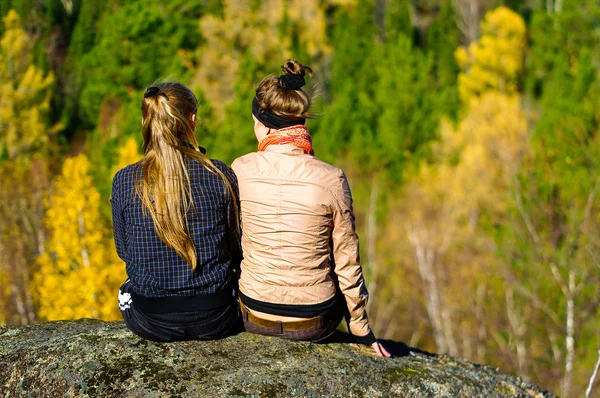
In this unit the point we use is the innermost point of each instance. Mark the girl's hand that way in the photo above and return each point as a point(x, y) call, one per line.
point(380, 350)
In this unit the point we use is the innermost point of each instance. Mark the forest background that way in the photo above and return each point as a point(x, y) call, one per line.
point(469, 131)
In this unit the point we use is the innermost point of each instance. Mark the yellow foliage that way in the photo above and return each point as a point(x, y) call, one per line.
point(14, 45)
point(79, 273)
point(441, 211)
point(128, 154)
point(248, 27)
point(490, 142)
point(25, 98)
point(495, 61)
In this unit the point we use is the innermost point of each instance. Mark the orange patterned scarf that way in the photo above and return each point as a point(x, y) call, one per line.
point(297, 136)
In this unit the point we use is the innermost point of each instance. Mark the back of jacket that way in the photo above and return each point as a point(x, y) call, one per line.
point(298, 228)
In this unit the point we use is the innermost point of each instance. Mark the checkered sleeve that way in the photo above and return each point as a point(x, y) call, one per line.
point(119, 228)
point(233, 222)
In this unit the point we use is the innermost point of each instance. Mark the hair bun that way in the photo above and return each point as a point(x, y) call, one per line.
point(294, 75)
point(293, 67)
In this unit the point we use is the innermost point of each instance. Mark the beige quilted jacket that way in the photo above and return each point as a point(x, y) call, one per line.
point(298, 223)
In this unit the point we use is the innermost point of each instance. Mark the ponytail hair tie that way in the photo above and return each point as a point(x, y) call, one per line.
point(292, 82)
point(152, 91)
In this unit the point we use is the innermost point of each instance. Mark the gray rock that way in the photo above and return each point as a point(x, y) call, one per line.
point(103, 359)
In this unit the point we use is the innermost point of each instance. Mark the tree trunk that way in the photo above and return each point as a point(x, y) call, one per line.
point(480, 319)
point(372, 242)
point(20, 304)
point(570, 337)
point(372, 236)
point(28, 299)
point(558, 6)
point(588, 391)
point(556, 352)
point(518, 329)
point(468, 11)
point(425, 257)
point(448, 332)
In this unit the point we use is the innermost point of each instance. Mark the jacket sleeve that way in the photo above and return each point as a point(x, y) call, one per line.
point(118, 220)
point(347, 263)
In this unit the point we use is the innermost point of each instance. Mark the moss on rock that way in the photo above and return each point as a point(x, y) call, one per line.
point(90, 358)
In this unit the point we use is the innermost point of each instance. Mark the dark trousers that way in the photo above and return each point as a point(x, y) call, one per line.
point(326, 326)
point(199, 325)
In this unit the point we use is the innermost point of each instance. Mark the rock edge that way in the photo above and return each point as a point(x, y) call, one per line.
point(95, 358)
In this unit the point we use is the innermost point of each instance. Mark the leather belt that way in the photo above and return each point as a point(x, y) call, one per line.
point(280, 326)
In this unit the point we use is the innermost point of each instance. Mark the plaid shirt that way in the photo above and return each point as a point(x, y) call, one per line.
point(155, 269)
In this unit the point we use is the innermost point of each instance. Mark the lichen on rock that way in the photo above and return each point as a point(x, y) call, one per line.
point(91, 358)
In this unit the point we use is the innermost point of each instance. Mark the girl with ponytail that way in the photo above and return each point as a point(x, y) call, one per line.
point(175, 219)
point(301, 272)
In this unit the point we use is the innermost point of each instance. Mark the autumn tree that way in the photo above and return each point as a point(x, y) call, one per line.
point(128, 154)
point(445, 211)
point(25, 99)
point(79, 273)
point(27, 140)
point(449, 208)
point(495, 61)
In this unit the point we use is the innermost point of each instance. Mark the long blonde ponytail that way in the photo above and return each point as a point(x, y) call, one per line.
point(165, 188)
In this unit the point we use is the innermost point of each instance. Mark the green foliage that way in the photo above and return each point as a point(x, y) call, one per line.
point(553, 235)
point(351, 84)
point(397, 20)
point(442, 40)
point(131, 53)
point(565, 138)
point(566, 33)
point(383, 109)
point(408, 112)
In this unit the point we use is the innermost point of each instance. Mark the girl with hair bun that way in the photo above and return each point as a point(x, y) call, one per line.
point(175, 223)
point(300, 273)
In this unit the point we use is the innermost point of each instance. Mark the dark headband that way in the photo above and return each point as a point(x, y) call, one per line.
point(271, 120)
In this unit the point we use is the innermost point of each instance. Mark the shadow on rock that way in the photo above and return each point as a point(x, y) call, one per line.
point(396, 348)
